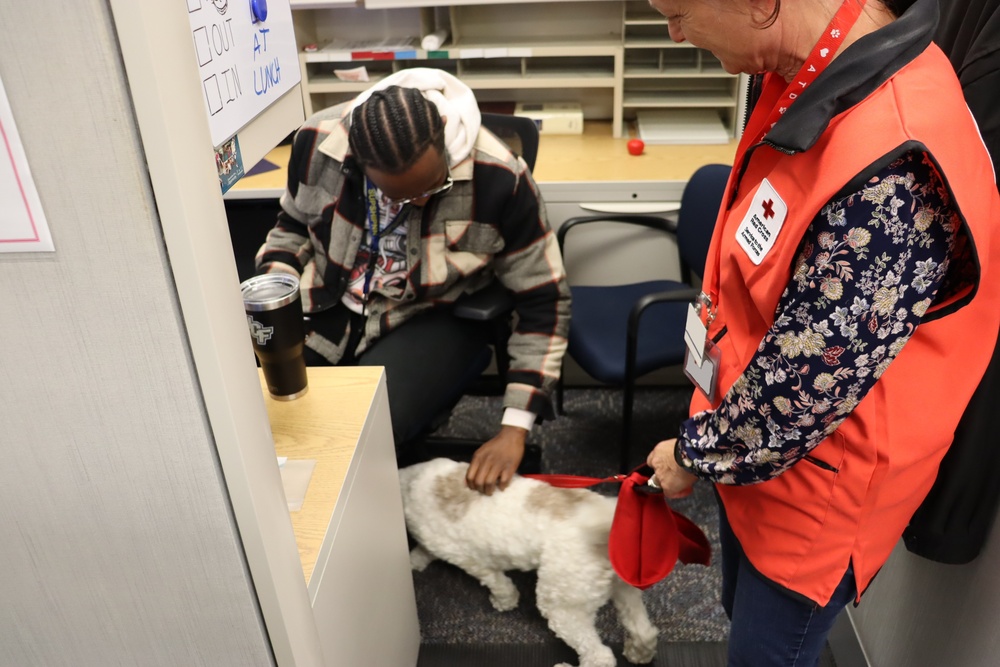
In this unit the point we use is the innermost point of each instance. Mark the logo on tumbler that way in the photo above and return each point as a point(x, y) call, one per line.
point(260, 333)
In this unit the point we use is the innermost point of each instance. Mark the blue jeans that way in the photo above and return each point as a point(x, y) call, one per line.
point(772, 627)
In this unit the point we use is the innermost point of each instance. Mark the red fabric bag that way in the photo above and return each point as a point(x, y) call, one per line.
point(647, 536)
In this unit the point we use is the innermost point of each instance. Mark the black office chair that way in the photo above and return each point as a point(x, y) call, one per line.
point(619, 333)
point(493, 305)
point(519, 133)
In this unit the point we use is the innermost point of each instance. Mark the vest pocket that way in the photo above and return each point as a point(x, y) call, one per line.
point(829, 454)
point(820, 464)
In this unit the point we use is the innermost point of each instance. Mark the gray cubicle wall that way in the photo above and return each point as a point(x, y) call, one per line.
point(117, 543)
point(918, 613)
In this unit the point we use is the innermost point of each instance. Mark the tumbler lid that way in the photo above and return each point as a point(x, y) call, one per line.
point(269, 291)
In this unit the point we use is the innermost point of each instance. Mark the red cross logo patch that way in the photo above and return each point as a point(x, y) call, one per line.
point(769, 208)
point(762, 222)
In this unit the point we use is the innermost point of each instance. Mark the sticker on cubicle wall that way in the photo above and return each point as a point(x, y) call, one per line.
point(229, 162)
point(23, 227)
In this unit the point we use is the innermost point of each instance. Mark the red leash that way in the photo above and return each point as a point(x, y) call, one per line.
point(582, 481)
point(575, 481)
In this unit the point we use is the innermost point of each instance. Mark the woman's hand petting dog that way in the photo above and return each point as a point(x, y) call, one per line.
point(674, 480)
point(494, 464)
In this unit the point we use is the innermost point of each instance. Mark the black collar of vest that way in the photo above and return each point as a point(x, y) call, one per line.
point(853, 75)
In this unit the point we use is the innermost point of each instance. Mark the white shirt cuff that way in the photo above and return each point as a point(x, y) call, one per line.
point(518, 417)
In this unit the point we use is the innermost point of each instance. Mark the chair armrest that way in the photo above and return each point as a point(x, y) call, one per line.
point(632, 337)
point(487, 304)
point(651, 221)
point(645, 302)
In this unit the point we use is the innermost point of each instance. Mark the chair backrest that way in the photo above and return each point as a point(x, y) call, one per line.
point(700, 204)
point(518, 132)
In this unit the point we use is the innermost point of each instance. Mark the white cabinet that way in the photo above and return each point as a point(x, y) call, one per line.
point(349, 529)
point(614, 58)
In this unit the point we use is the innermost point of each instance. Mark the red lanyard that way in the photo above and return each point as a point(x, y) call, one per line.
point(821, 55)
point(780, 101)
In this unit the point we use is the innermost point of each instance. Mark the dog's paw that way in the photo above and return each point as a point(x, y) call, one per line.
point(598, 658)
point(420, 558)
point(505, 602)
point(640, 652)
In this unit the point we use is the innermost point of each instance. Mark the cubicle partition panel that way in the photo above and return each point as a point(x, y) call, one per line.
point(117, 535)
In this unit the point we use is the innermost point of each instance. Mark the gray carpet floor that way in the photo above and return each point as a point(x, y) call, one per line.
point(454, 609)
point(669, 654)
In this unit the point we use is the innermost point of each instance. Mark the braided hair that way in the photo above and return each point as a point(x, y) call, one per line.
point(393, 128)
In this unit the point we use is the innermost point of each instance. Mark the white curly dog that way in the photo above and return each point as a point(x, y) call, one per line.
point(562, 533)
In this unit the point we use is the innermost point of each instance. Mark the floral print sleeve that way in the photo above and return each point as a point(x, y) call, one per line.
point(868, 268)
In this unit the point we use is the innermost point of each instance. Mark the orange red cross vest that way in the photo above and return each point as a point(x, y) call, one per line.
point(803, 528)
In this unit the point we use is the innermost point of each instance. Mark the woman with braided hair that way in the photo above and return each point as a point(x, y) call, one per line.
point(397, 204)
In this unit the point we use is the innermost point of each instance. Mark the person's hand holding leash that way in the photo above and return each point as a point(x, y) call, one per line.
point(674, 480)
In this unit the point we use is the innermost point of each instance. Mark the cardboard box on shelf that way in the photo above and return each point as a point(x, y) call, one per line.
point(553, 117)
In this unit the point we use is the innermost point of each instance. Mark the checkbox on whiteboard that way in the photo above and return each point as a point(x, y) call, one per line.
point(213, 95)
point(202, 47)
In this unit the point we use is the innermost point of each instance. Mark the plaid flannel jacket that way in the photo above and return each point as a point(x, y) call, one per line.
point(492, 223)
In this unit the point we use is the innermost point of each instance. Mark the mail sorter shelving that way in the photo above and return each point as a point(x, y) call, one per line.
point(662, 75)
point(610, 57)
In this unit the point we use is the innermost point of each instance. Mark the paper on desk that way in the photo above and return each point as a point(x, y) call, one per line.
point(295, 476)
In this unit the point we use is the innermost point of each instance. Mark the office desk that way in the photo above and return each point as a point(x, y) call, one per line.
point(592, 156)
point(350, 531)
point(597, 156)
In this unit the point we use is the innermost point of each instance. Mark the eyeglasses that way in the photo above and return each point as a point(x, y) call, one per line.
point(444, 187)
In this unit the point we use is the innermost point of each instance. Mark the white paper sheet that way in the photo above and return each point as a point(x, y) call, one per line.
point(295, 477)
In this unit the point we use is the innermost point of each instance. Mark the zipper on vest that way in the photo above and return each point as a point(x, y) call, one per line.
point(717, 337)
point(820, 464)
point(752, 94)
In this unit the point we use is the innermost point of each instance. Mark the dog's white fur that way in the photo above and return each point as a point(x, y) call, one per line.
point(562, 533)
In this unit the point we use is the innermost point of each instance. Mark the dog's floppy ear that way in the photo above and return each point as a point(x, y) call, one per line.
point(647, 536)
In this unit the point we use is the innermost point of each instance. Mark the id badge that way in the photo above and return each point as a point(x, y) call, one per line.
point(695, 334)
point(705, 375)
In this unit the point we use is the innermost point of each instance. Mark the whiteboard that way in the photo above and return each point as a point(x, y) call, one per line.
point(245, 64)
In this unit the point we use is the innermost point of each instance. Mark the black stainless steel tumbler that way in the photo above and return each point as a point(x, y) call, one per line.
point(274, 315)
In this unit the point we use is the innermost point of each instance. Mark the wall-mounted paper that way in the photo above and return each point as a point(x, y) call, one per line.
point(246, 62)
point(23, 227)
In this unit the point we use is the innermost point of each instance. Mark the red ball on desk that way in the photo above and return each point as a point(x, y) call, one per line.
point(636, 146)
